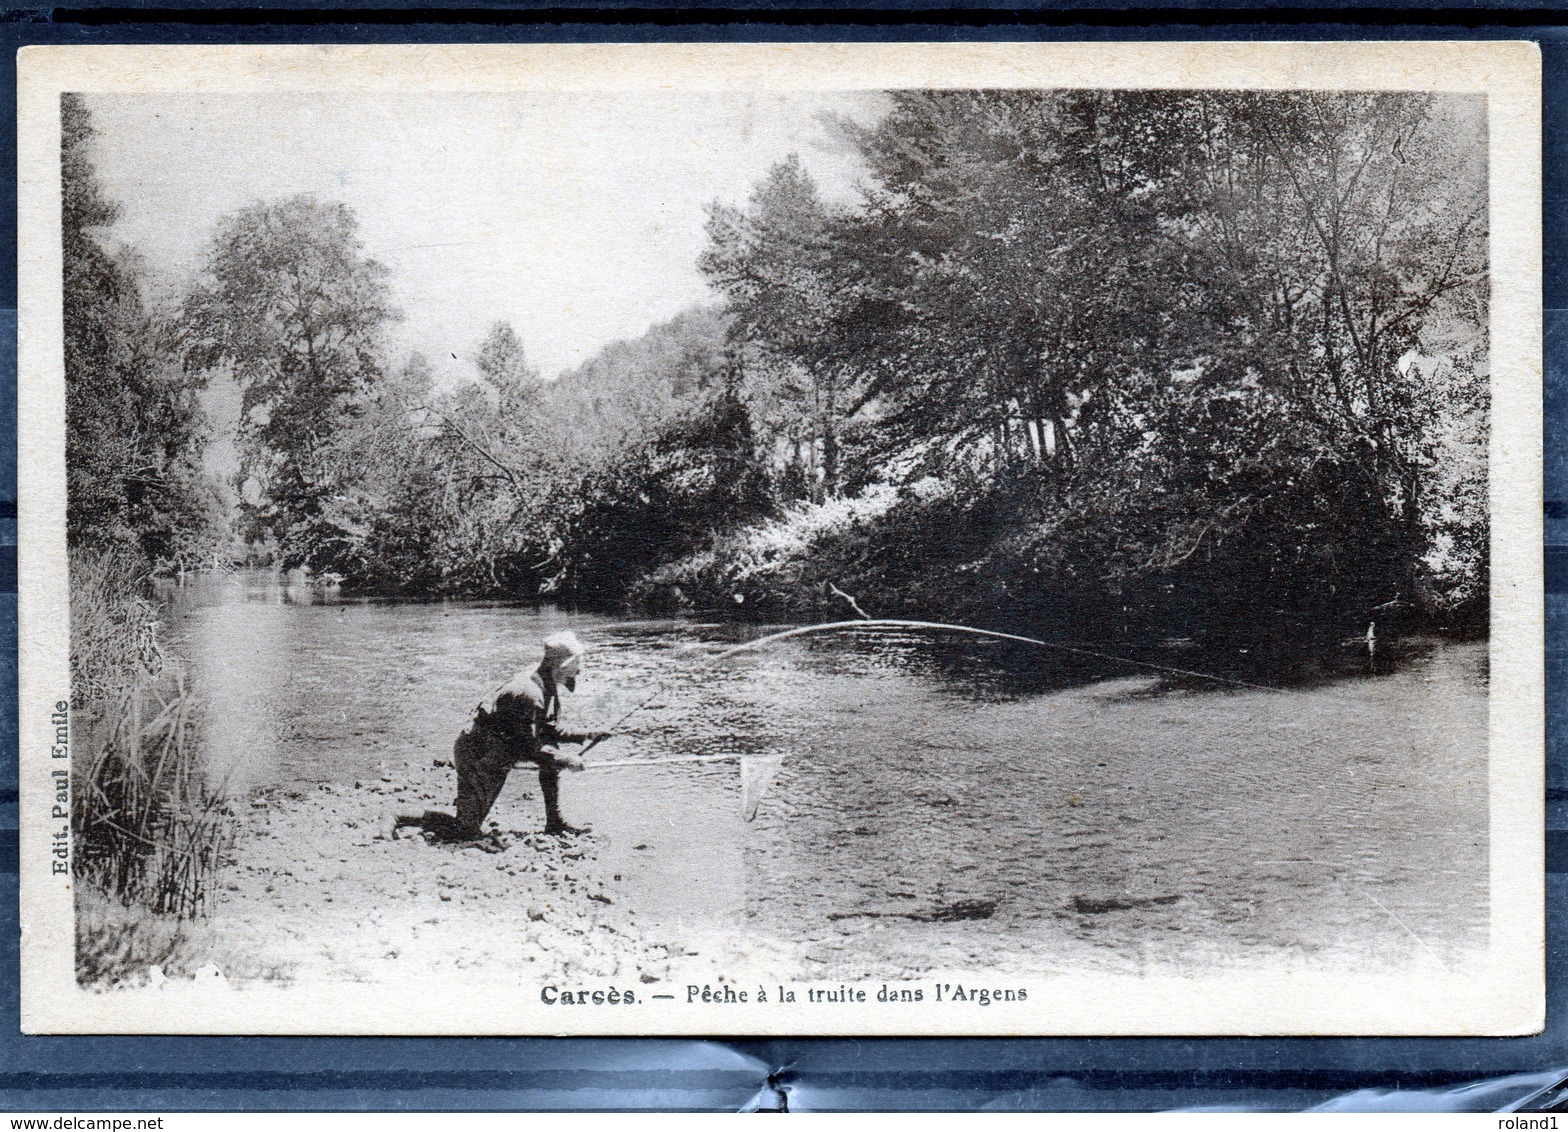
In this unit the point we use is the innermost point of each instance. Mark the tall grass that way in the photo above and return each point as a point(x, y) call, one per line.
point(149, 831)
point(148, 827)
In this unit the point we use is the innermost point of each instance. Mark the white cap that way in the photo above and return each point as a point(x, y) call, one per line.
point(563, 652)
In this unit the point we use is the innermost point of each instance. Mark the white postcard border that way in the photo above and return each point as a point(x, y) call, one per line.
point(1502, 995)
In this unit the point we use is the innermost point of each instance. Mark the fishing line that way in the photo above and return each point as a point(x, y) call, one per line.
point(610, 731)
point(934, 626)
point(888, 623)
point(757, 773)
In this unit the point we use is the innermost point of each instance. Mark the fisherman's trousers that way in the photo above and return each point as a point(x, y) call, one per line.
point(483, 760)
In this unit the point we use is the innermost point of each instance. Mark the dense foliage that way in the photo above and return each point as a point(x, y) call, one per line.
point(134, 426)
point(1213, 358)
point(293, 310)
point(1085, 363)
point(1217, 350)
point(148, 830)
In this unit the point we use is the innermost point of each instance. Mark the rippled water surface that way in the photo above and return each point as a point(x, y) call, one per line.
point(948, 800)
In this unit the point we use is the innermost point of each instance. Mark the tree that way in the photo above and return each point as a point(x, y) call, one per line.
point(659, 499)
point(1353, 227)
point(631, 389)
point(505, 366)
point(291, 306)
point(773, 260)
point(134, 429)
point(1176, 337)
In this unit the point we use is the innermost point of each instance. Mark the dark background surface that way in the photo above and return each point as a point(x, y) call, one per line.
point(138, 1073)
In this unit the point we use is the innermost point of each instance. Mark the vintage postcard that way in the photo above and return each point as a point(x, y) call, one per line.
point(911, 539)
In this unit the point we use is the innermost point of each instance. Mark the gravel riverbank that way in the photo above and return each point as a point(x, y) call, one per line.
point(322, 890)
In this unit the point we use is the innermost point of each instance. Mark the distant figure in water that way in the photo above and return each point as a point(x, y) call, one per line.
point(515, 723)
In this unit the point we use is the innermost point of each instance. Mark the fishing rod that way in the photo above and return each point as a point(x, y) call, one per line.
point(894, 623)
point(941, 626)
point(611, 731)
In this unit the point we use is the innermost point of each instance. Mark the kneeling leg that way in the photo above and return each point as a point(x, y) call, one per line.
point(480, 776)
point(550, 787)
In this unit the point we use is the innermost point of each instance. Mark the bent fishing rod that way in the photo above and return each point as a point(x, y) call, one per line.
point(882, 623)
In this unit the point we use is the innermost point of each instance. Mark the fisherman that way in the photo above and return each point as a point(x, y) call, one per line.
point(516, 723)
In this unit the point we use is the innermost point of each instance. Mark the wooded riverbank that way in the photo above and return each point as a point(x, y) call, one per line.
point(1200, 370)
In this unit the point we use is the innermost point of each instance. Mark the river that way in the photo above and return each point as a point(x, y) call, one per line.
point(947, 800)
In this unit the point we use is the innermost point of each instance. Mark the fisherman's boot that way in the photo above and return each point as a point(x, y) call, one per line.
point(434, 824)
point(550, 787)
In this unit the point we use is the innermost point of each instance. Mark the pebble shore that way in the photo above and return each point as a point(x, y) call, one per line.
point(321, 886)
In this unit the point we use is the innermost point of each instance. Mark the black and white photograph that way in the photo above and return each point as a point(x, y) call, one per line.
point(789, 540)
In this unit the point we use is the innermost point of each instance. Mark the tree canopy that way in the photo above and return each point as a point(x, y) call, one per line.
point(1226, 331)
point(135, 431)
point(1174, 354)
point(291, 306)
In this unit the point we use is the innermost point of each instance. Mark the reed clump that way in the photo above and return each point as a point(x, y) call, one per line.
point(148, 827)
point(149, 831)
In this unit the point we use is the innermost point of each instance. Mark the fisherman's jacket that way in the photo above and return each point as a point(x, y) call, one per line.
point(518, 714)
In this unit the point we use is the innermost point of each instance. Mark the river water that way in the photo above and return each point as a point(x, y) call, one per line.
point(943, 800)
